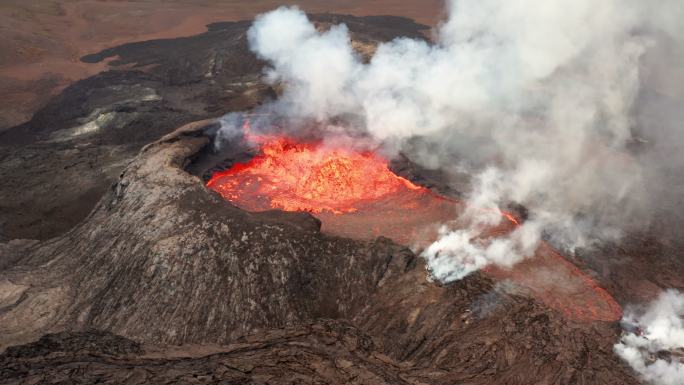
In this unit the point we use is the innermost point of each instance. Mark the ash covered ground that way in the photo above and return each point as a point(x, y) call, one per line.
point(118, 264)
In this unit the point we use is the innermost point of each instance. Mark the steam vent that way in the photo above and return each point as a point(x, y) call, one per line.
point(464, 192)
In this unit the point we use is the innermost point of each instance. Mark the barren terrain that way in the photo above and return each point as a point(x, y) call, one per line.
point(42, 41)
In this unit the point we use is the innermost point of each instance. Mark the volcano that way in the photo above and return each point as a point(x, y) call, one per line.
point(355, 194)
point(297, 263)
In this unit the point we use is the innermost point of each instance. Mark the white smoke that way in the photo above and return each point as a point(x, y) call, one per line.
point(534, 99)
point(653, 341)
point(458, 253)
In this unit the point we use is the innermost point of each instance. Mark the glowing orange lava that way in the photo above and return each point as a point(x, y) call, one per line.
point(355, 195)
point(308, 177)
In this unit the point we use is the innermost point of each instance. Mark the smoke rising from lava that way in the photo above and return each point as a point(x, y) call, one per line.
point(569, 108)
point(653, 342)
point(536, 101)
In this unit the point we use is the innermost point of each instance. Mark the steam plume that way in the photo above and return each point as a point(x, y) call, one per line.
point(536, 101)
point(653, 342)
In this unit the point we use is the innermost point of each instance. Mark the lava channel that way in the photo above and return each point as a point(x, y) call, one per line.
point(356, 195)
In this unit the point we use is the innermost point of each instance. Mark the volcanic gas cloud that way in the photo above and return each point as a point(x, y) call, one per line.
point(355, 194)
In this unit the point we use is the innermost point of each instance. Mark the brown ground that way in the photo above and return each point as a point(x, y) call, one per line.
point(41, 41)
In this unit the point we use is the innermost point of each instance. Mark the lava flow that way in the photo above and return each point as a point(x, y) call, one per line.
point(356, 195)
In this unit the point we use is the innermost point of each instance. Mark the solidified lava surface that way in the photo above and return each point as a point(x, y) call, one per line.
point(356, 195)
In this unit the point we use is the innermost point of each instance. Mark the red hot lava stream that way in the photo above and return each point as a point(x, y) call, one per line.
point(355, 195)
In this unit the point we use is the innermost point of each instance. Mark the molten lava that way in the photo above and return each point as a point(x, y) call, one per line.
point(309, 177)
point(355, 195)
